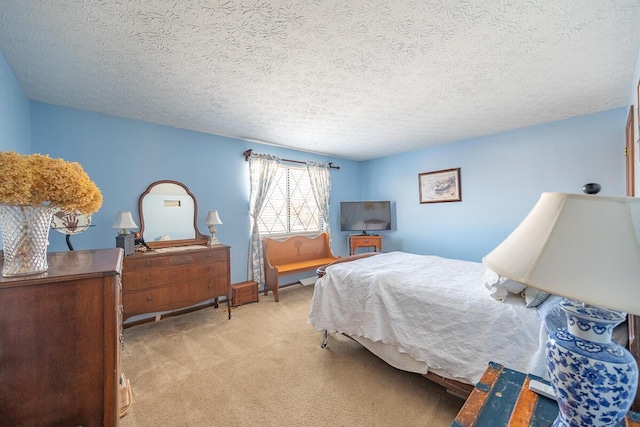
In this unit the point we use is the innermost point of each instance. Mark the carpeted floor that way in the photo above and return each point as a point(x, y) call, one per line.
point(265, 367)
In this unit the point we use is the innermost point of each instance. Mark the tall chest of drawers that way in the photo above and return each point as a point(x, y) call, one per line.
point(169, 280)
point(60, 341)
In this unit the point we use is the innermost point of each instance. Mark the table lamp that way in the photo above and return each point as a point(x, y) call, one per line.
point(125, 240)
point(586, 249)
point(211, 221)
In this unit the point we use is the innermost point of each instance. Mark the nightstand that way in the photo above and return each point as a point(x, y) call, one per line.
point(364, 241)
point(502, 398)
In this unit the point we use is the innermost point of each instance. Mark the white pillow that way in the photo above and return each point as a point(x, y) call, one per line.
point(513, 286)
point(534, 297)
point(500, 286)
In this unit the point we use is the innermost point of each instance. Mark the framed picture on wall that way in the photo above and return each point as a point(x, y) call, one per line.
point(638, 102)
point(638, 112)
point(440, 186)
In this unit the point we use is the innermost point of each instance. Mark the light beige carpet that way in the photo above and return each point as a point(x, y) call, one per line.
point(265, 367)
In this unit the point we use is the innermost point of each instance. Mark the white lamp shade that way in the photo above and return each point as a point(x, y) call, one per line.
point(582, 247)
point(124, 221)
point(212, 218)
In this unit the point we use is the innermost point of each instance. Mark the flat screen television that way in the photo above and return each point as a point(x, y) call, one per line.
point(365, 216)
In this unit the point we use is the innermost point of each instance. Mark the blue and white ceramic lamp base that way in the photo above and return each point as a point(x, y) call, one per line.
point(594, 379)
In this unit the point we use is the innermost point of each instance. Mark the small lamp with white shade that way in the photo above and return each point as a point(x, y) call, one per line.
point(211, 221)
point(586, 249)
point(125, 240)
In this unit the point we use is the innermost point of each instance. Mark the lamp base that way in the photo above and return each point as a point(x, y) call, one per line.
point(126, 242)
point(594, 379)
point(213, 240)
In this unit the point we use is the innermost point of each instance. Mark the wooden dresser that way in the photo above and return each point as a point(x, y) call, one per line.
point(60, 340)
point(161, 281)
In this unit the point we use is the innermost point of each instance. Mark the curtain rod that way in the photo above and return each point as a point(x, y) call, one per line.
point(248, 152)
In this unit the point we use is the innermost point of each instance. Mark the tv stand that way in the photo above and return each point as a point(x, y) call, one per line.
point(364, 241)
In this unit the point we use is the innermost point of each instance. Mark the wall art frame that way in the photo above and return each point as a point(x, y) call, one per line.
point(638, 100)
point(633, 130)
point(440, 186)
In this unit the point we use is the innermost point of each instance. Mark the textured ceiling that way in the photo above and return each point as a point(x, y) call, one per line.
point(352, 78)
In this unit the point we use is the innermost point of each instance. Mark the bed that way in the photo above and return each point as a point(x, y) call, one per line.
point(442, 318)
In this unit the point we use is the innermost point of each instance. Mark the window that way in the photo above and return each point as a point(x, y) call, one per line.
point(291, 206)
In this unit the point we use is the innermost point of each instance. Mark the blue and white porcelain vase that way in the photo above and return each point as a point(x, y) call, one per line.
point(594, 379)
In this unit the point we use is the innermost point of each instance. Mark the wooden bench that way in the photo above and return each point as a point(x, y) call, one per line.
point(293, 255)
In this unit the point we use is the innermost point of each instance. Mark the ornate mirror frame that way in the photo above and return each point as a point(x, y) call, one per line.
point(199, 239)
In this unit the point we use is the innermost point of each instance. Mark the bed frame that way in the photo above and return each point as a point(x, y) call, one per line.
point(462, 389)
point(457, 388)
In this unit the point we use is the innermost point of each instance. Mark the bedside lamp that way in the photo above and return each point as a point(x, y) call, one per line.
point(584, 248)
point(212, 220)
point(125, 240)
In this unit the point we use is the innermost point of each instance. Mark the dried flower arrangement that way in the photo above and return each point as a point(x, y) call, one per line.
point(37, 179)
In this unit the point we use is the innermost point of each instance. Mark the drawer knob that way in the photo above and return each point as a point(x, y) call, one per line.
point(148, 279)
point(147, 264)
point(149, 299)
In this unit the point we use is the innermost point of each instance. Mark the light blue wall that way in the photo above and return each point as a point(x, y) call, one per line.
point(15, 118)
point(15, 134)
point(502, 177)
point(634, 95)
point(124, 156)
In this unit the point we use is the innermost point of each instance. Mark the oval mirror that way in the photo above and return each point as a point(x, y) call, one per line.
point(168, 215)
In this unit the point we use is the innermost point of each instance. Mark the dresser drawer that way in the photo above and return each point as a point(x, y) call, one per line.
point(214, 269)
point(174, 260)
point(171, 297)
point(156, 277)
point(151, 278)
point(207, 288)
point(152, 300)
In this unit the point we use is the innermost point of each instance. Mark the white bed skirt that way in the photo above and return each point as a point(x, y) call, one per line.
point(399, 360)
point(393, 357)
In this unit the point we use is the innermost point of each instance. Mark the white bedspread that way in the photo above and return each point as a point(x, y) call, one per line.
point(435, 309)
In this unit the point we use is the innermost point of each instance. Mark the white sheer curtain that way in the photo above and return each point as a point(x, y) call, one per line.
point(262, 171)
point(321, 186)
